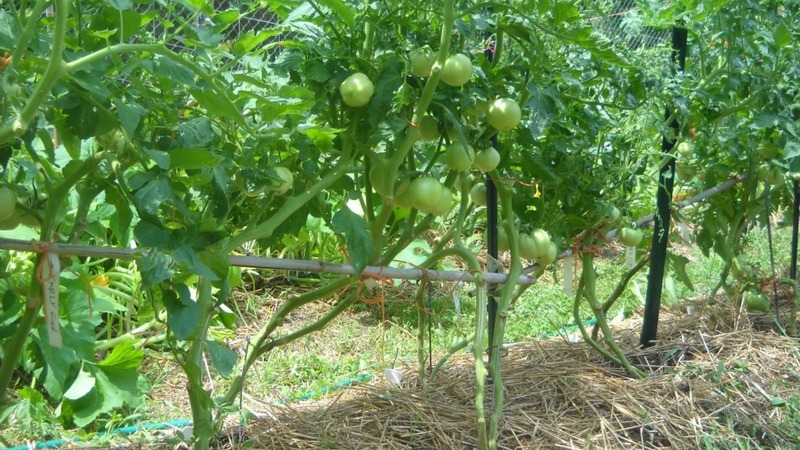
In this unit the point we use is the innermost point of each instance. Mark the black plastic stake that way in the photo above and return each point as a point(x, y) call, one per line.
point(491, 228)
point(666, 180)
point(795, 228)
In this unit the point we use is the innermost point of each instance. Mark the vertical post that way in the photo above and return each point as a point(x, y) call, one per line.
point(491, 230)
point(666, 180)
point(795, 227)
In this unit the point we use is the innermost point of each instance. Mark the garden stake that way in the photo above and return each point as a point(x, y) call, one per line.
point(666, 180)
point(767, 196)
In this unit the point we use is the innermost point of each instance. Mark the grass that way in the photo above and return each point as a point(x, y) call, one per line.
point(372, 337)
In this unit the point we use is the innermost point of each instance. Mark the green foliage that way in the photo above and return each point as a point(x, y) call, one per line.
point(123, 121)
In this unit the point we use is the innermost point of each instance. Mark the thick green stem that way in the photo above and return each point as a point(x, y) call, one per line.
point(199, 398)
point(458, 346)
point(478, 346)
point(259, 347)
point(55, 69)
point(590, 293)
point(620, 288)
point(13, 348)
point(507, 293)
point(15, 345)
point(266, 228)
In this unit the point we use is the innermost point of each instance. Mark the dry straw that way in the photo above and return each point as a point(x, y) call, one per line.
point(713, 379)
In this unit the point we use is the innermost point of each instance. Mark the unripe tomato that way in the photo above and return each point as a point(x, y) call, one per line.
point(429, 129)
point(378, 179)
point(768, 151)
point(356, 90)
point(478, 194)
point(527, 248)
point(444, 205)
point(685, 149)
point(11, 222)
point(487, 159)
point(504, 114)
point(402, 199)
point(287, 178)
point(8, 202)
point(630, 237)
point(422, 60)
point(548, 256)
point(503, 242)
point(541, 242)
point(459, 156)
point(612, 215)
point(756, 301)
point(457, 70)
point(425, 193)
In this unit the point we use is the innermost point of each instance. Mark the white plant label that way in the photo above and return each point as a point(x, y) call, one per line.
point(630, 257)
point(49, 272)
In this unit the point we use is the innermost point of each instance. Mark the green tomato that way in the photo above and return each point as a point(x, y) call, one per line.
point(402, 197)
point(459, 156)
point(768, 151)
point(287, 179)
point(541, 242)
point(685, 149)
point(504, 114)
point(478, 194)
point(425, 193)
point(457, 70)
point(527, 248)
point(377, 177)
point(8, 202)
point(444, 205)
point(487, 159)
point(356, 90)
point(11, 222)
point(756, 301)
point(630, 237)
point(503, 242)
point(422, 60)
point(549, 256)
point(612, 214)
point(429, 129)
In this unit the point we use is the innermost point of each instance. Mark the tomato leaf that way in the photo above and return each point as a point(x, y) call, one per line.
point(183, 313)
point(82, 385)
point(222, 358)
point(120, 5)
point(357, 237)
point(342, 10)
point(155, 268)
point(192, 158)
point(186, 255)
point(678, 265)
point(8, 30)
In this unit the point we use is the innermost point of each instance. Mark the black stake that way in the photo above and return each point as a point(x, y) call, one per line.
point(491, 230)
point(666, 180)
point(767, 215)
point(795, 228)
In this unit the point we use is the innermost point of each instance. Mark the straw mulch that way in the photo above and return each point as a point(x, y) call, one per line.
point(715, 381)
